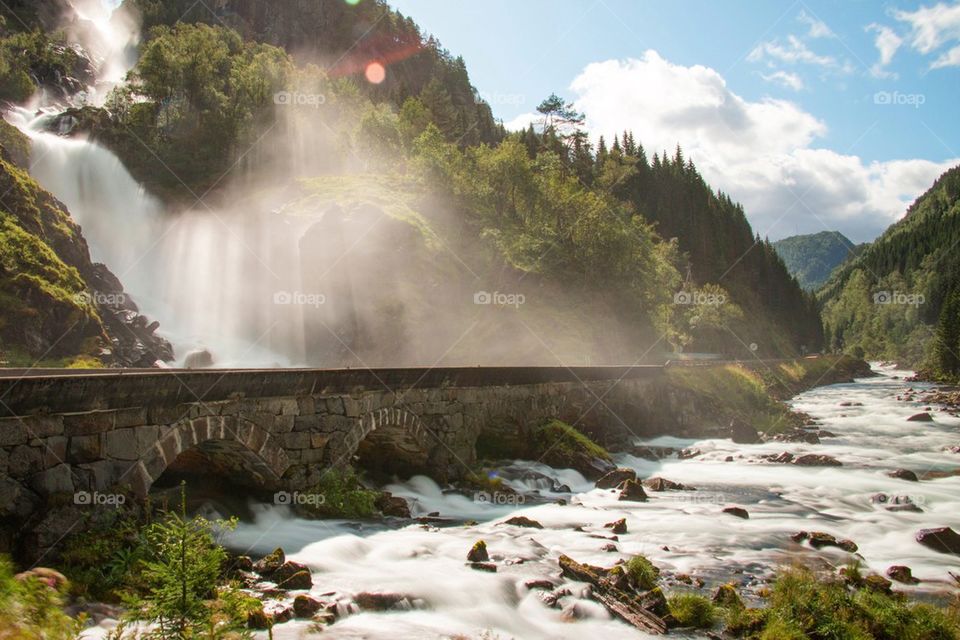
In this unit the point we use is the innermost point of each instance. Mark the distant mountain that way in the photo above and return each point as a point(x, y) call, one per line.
point(812, 258)
point(888, 300)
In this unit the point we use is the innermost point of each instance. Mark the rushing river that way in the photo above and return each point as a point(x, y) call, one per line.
point(682, 532)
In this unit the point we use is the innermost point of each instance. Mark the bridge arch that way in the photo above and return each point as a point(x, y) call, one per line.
point(394, 441)
point(230, 446)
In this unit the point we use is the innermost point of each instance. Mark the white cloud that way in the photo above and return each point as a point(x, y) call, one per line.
point(785, 78)
point(760, 152)
point(949, 59)
point(816, 27)
point(932, 27)
point(523, 121)
point(792, 52)
point(887, 43)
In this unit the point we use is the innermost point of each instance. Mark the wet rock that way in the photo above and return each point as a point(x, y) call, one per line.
point(728, 459)
point(523, 521)
point(372, 601)
point(619, 527)
point(823, 433)
point(819, 540)
point(292, 576)
point(878, 583)
point(280, 614)
point(258, 620)
point(654, 601)
point(781, 458)
point(901, 573)
point(739, 512)
point(851, 404)
point(270, 563)
point(613, 479)
point(817, 460)
point(305, 606)
point(544, 585)
point(325, 618)
point(478, 552)
point(609, 548)
point(391, 505)
point(633, 491)
point(797, 435)
point(904, 474)
point(662, 484)
point(686, 454)
point(743, 433)
point(201, 359)
point(909, 507)
point(489, 567)
point(942, 539)
point(920, 417)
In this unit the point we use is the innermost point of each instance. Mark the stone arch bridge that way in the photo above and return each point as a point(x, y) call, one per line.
point(63, 432)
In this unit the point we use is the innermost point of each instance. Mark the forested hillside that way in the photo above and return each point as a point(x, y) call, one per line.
point(888, 301)
point(812, 258)
point(640, 240)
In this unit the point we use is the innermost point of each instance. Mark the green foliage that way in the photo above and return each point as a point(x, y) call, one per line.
point(642, 572)
point(803, 607)
point(945, 361)
point(181, 575)
point(691, 610)
point(104, 561)
point(32, 610)
point(812, 258)
point(343, 496)
point(888, 300)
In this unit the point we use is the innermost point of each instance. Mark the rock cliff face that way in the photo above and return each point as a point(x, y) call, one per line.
point(58, 305)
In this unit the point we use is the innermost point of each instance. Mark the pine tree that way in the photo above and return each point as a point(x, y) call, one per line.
point(946, 346)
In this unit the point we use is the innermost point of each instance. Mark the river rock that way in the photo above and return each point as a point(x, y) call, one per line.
point(305, 606)
point(489, 567)
point(391, 505)
point(633, 491)
point(523, 521)
point(662, 484)
point(923, 416)
point(817, 460)
point(686, 454)
point(613, 479)
point(49, 577)
point(743, 433)
point(201, 359)
point(618, 527)
point(739, 512)
point(901, 573)
point(478, 552)
point(904, 474)
point(819, 540)
point(783, 458)
point(270, 563)
point(726, 596)
point(292, 576)
point(942, 539)
point(371, 601)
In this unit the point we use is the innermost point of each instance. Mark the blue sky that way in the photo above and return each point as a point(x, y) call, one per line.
point(815, 114)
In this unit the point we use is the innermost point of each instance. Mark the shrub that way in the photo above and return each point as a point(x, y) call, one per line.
point(343, 496)
point(31, 610)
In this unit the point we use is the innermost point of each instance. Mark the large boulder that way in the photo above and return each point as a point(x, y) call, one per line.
point(743, 433)
point(632, 491)
point(942, 539)
point(616, 477)
point(267, 565)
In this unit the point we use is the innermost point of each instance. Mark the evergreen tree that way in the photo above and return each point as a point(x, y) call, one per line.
point(946, 344)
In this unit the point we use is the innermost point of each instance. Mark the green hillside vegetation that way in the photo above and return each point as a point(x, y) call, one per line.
point(812, 258)
point(887, 303)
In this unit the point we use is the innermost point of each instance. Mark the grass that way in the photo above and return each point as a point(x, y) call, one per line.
point(559, 445)
point(753, 393)
point(804, 606)
point(691, 610)
point(642, 572)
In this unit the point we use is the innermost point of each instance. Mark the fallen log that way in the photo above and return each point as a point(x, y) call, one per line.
point(618, 602)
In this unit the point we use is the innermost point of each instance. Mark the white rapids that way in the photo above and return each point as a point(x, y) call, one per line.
point(681, 532)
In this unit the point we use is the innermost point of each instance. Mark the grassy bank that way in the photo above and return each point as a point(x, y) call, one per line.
point(754, 392)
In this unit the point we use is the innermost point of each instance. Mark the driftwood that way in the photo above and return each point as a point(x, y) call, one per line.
point(616, 601)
